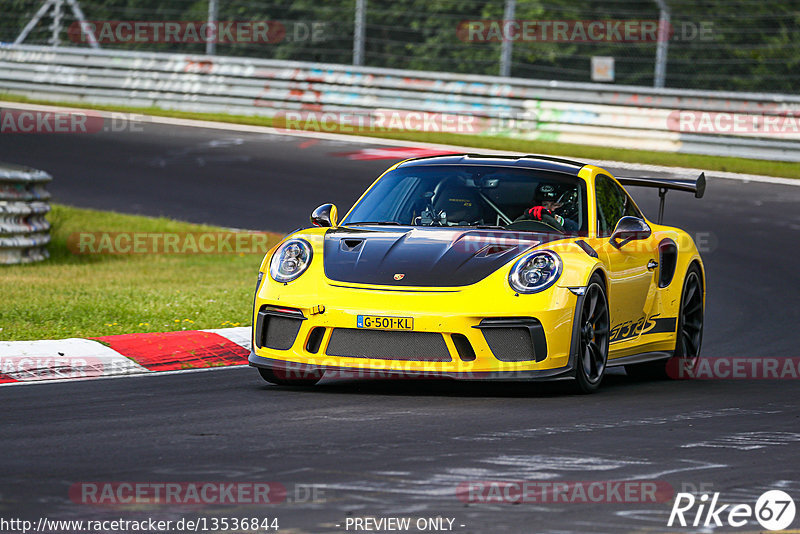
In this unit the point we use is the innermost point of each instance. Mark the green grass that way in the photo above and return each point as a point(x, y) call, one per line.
point(93, 295)
point(586, 152)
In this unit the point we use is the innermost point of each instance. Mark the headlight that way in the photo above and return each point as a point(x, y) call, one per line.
point(290, 260)
point(535, 272)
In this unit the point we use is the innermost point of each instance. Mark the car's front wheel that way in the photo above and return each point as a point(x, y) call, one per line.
point(592, 356)
point(282, 378)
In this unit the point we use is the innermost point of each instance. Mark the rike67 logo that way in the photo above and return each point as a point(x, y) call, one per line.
point(774, 510)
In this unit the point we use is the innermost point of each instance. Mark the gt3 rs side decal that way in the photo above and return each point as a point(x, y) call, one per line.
point(652, 324)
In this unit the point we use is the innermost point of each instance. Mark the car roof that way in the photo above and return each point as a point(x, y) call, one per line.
point(536, 162)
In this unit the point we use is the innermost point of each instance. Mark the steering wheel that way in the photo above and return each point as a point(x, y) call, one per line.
point(569, 209)
point(544, 219)
point(534, 225)
point(551, 221)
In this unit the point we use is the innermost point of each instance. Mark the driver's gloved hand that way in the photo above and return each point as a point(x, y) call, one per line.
point(535, 213)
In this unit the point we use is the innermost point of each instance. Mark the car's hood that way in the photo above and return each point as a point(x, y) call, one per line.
point(413, 256)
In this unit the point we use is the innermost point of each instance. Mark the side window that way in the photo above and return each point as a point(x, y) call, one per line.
point(630, 208)
point(613, 203)
point(610, 204)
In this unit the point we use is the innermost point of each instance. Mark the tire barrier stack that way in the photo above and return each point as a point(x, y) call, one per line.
point(24, 231)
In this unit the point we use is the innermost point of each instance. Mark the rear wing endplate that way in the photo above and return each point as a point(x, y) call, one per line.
point(696, 186)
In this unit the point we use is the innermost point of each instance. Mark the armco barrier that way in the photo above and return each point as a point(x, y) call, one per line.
point(24, 231)
point(731, 124)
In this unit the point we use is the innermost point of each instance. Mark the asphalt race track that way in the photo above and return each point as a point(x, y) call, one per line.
point(401, 448)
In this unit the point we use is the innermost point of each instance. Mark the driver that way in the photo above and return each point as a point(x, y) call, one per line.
point(548, 201)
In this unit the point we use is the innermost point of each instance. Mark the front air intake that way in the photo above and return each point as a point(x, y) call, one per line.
point(388, 345)
point(515, 339)
point(277, 328)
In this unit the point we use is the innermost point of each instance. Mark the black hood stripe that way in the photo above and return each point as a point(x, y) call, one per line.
point(423, 256)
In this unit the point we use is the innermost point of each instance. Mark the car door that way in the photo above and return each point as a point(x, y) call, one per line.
point(631, 270)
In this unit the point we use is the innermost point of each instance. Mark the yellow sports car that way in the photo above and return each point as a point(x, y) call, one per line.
point(483, 267)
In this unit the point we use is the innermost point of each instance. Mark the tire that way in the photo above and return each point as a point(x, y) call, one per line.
point(689, 335)
point(690, 326)
point(592, 356)
point(309, 378)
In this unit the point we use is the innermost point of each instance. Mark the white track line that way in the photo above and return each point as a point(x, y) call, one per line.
point(240, 335)
point(143, 374)
point(45, 360)
point(68, 360)
point(192, 123)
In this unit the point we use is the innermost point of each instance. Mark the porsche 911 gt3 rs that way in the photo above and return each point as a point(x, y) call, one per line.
point(483, 267)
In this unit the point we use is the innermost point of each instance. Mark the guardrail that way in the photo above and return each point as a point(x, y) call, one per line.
point(24, 231)
point(763, 126)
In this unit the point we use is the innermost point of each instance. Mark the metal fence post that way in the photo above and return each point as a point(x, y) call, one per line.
point(662, 45)
point(211, 33)
point(55, 26)
point(507, 44)
point(359, 32)
point(88, 33)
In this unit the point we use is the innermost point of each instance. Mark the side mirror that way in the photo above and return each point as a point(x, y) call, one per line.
point(325, 215)
point(629, 229)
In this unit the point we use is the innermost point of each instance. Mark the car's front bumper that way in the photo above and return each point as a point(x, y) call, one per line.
point(505, 337)
point(295, 370)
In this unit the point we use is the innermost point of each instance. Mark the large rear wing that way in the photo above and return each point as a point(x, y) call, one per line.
point(696, 186)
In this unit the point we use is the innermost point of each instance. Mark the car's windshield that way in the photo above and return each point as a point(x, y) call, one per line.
point(475, 195)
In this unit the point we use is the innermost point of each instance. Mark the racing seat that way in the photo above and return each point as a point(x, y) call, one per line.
point(463, 205)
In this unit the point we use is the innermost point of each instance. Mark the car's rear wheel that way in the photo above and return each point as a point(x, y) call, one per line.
point(282, 378)
point(592, 357)
point(690, 324)
point(689, 335)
